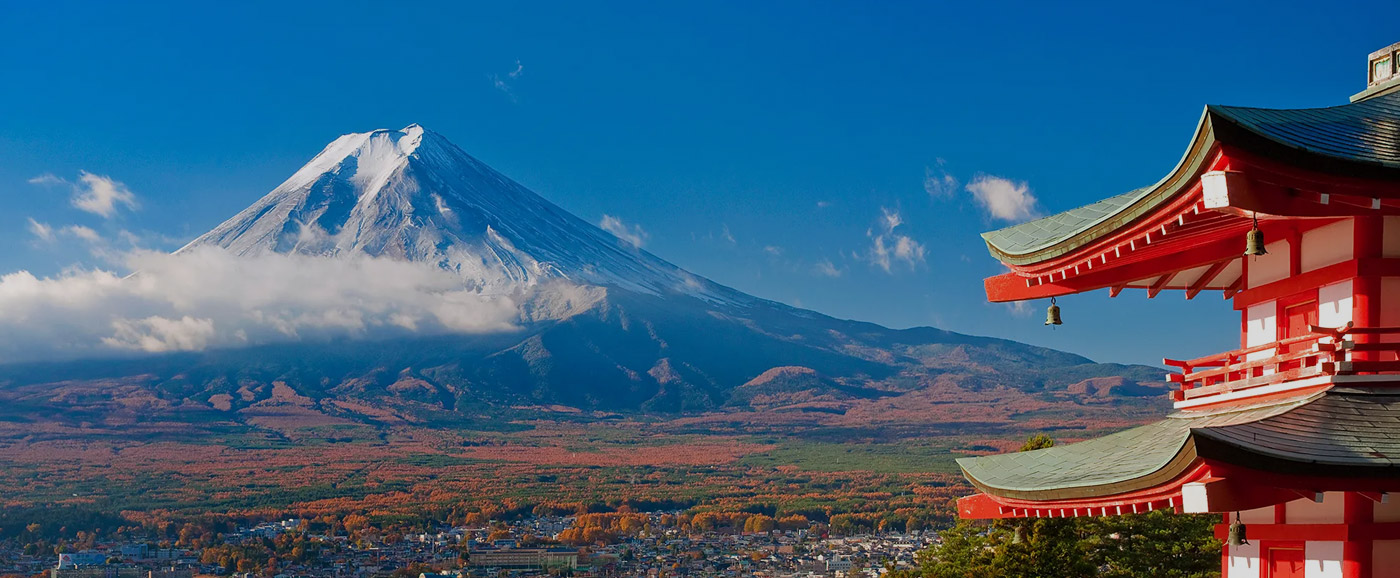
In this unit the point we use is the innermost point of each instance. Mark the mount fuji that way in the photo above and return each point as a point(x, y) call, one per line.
point(650, 337)
point(410, 194)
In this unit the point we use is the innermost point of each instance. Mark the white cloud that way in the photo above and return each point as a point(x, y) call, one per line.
point(207, 298)
point(97, 194)
point(503, 84)
point(157, 334)
point(826, 268)
point(1003, 198)
point(727, 236)
point(634, 235)
point(879, 253)
point(823, 204)
point(938, 183)
point(47, 180)
point(1019, 308)
point(81, 232)
point(41, 230)
point(890, 219)
point(908, 250)
point(773, 250)
point(887, 246)
point(100, 195)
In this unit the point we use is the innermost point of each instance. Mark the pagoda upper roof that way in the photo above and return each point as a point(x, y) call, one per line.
point(1341, 432)
point(1360, 139)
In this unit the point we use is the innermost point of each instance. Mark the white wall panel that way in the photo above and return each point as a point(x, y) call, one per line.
point(1261, 326)
point(1268, 268)
point(1328, 245)
point(1390, 237)
point(1334, 304)
point(1324, 559)
point(1263, 515)
point(1244, 561)
point(1385, 559)
point(1305, 511)
point(1389, 511)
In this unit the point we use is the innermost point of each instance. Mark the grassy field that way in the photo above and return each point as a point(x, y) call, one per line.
point(901, 458)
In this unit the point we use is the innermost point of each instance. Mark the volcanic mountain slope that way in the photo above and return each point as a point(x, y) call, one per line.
point(654, 338)
point(411, 194)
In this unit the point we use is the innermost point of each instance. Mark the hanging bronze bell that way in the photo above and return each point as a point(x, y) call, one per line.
point(1052, 315)
point(1019, 535)
point(1254, 243)
point(1237, 537)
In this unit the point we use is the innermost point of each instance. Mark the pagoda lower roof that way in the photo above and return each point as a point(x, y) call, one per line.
point(1360, 139)
point(1336, 433)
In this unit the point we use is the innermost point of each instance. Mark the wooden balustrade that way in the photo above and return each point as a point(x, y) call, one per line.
point(1322, 351)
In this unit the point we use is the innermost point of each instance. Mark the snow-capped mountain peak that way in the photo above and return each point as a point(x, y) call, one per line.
point(373, 156)
point(412, 194)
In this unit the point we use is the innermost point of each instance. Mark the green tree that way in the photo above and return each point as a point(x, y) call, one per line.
point(1160, 544)
point(1048, 548)
point(962, 553)
point(1037, 442)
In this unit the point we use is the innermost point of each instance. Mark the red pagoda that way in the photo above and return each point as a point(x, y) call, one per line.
point(1293, 216)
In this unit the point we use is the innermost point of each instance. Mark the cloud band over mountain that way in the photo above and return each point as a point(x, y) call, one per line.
point(207, 298)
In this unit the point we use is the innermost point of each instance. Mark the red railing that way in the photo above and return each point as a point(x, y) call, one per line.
point(1323, 351)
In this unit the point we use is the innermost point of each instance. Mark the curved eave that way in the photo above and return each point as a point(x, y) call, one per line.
point(1133, 460)
point(1356, 141)
point(1180, 462)
point(1182, 176)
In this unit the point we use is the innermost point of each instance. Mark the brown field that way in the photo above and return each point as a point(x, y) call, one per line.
point(268, 449)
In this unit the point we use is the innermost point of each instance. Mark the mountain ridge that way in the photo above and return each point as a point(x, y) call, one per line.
point(650, 337)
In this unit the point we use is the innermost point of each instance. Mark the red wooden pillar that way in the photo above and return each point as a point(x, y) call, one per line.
point(1356, 554)
point(1366, 306)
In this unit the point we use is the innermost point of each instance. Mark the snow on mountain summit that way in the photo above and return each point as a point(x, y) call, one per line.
point(373, 155)
point(411, 194)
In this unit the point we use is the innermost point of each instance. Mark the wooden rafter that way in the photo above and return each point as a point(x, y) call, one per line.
point(1234, 287)
point(1115, 290)
point(1157, 285)
point(1205, 279)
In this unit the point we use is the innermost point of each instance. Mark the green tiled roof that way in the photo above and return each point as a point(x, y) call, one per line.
point(1349, 432)
point(1359, 139)
point(1093, 467)
point(1033, 235)
point(1110, 459)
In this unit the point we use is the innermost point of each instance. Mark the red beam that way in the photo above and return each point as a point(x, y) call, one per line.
point(1318, 532)
point(1365, 267)
point(1375, 366)
point(1291, 285)
point(1247, 194)
point(1011, 286)
point(1255, 477)
point(1284, 174)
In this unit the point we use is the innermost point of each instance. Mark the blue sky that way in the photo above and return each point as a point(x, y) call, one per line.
point(764, 145)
